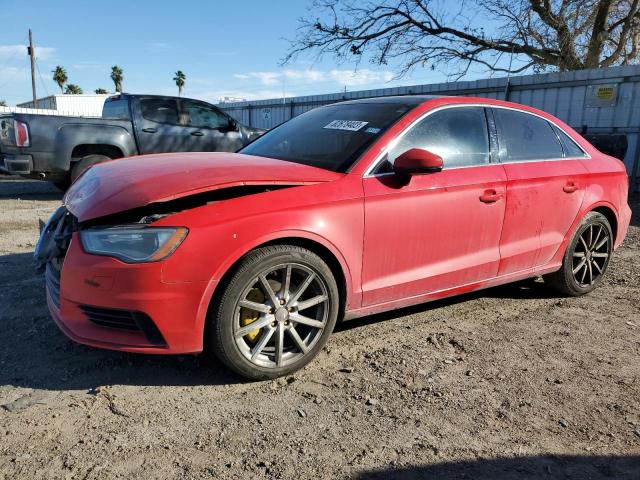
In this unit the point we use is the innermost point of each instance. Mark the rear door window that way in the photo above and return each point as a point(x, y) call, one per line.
point(526, 137)
point(160, 110)
point(459, 135)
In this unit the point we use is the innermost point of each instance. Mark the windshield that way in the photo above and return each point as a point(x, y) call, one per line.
point(331, 137)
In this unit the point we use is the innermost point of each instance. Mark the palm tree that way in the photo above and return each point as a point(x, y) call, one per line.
point(73, 89)
point(100, 91)
point(117, 77)
point(179, 79)
point(60, 77)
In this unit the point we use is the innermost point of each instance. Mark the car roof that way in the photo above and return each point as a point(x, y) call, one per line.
point(118, 96)
point(411, 100)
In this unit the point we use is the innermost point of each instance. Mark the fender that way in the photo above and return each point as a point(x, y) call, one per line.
point(352, 296)
point(557, 258)
point(70, 135)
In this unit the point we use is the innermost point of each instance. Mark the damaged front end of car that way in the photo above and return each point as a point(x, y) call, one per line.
point(131, 256)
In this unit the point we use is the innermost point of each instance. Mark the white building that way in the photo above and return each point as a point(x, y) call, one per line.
point(72, 105)
point(231, 99)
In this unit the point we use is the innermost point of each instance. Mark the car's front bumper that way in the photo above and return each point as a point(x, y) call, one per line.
point(90, 284)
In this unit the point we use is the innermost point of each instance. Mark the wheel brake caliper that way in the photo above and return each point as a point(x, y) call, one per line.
point(248, 316)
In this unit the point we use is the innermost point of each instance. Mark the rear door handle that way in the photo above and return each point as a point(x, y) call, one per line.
point(490, 196)
point(149, 130)
point(197, 134)
point(570, 187)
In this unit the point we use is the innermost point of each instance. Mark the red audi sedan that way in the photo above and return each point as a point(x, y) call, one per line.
point(346, 210)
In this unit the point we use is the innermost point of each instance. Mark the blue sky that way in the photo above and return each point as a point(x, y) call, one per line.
point(224, 48)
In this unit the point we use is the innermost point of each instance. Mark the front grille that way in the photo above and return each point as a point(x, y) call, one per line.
point(125, 320)
point(107, 317)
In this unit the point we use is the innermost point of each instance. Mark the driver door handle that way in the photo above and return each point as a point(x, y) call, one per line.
point(197, 134)
point(149, 130)
point(570, 187)
point(490, 196)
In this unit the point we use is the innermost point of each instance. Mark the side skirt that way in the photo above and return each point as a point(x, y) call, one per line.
point(450, 292)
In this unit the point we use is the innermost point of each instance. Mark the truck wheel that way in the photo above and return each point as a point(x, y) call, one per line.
point(86, 162)
point(62, 185)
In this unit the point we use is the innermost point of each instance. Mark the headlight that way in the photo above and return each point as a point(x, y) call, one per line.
point(133, 245)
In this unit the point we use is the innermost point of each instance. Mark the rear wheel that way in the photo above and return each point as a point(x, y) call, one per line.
point(86, 162)
point(276, 313)
point(587, 257)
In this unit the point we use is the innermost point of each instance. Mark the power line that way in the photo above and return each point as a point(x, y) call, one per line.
point(41, 80)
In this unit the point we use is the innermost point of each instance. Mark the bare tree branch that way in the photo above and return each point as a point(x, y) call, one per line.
point(539, 34)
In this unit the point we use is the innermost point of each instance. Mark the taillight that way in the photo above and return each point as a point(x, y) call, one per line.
point(22, 134)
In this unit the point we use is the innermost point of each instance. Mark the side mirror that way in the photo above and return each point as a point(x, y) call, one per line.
point(233, 125)
point(417, 162)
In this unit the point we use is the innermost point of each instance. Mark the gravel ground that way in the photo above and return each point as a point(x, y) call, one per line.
point(511, 382)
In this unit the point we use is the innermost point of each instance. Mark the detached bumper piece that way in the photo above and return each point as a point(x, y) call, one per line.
point(52, 281)
point(125, 320)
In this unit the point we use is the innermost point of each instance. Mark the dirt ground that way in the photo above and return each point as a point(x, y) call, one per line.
point(511, 382)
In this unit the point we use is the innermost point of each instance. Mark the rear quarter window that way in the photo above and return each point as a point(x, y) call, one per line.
point(571, 148)
point(116, 109)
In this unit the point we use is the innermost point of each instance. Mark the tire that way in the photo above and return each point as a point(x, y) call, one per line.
point(80, 166)
point(285, 312)
point(62, 185)
point(586, 258)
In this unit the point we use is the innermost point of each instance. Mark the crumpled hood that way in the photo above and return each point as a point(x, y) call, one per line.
point(124, 184)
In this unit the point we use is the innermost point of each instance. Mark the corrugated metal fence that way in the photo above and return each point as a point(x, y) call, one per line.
point(605, 100)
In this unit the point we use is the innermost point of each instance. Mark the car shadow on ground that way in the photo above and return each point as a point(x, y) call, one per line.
point(17, 188)
point(526, 289)
point(550, 467)
point(634, 202)
point(35, 354)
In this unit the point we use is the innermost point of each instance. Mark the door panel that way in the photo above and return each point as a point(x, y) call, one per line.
point(433, 233)
point(209, 128)
point(540, 210)
point(157, 126)
point(544, 192)
point(212, 140)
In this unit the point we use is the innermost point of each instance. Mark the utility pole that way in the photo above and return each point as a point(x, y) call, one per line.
point(32, 54)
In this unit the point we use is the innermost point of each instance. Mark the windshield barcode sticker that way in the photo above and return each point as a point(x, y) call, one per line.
point(352, 125)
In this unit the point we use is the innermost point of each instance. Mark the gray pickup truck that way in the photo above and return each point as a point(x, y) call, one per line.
point(59, 148)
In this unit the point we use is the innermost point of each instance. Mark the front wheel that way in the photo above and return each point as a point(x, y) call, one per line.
point(276, 313)
point(86, 162)
point(587, 257)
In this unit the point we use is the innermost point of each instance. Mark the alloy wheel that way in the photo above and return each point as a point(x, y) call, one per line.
point(591, 254)
point(281, 315)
